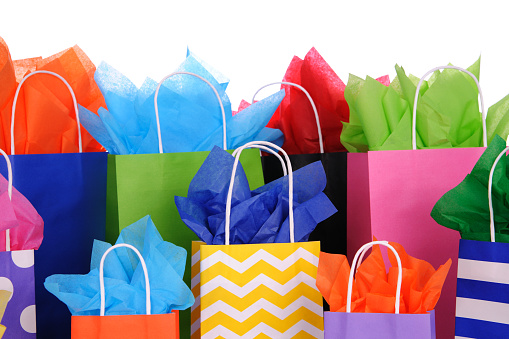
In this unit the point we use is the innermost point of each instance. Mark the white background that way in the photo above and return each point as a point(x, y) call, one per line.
point(253, 42)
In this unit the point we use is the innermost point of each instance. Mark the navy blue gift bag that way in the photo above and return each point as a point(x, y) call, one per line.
point(69, 192)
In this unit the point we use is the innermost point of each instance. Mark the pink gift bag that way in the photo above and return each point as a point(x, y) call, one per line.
point(390, 195)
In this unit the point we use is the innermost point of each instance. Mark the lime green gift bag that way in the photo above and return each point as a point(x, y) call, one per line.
point(141, 184)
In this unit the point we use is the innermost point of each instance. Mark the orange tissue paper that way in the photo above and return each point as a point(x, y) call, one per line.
point(45, 120)
point(374, 288)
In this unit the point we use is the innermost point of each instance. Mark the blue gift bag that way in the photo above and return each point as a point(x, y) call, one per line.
point(69, 192)
point(482, 294)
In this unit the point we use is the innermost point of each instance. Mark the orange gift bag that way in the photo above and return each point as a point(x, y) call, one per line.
point(140, 326)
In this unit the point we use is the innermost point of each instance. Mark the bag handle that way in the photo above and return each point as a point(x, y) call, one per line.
point(101, 277)
point(9, 192)
point(352, 272)
point(320, 139)
point(490, 184)
point(157, 108)
point(75, 103)
point(270, 150)
point(237, 152)
point(414, 112)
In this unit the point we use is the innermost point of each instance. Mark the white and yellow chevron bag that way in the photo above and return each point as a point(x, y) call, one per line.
point(258, 290)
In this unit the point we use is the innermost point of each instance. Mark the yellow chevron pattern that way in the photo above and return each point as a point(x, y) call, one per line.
point(259, 291)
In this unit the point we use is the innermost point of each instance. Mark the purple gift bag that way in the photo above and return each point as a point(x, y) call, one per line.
point(354, 325)
point(17, 276)
point(379, 325)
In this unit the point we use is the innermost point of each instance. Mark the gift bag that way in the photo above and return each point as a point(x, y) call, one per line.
point(195, 264)
point(331, 233)
point(357, 325)
point(139, 326)
point(69, 192)
point(17, 261)
point(4, 300)
point(391, 193)
point(260, 289)
point(141, 184)
point(482, 294)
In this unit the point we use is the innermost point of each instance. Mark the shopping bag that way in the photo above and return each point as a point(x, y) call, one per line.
point(148, 326)
point(204, 207)
point(390, 194)
point(331, 233)
point(17, 261)
point(69, 192)
point(260, 289)
point(482, 294)
point(357, 325)
point(4, 300)
point(141, 184)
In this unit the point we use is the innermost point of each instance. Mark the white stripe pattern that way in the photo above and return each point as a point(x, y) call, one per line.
point(483, 271)
point(482, 310)
point(195, 326)
point(196, 280)
point(221, 331)
point(457, 337)
point(241, 267)
point(196, 303)
point(195, 258)
point(261, 279)
point(261, 304)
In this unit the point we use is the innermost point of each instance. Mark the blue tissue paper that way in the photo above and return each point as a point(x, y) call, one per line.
point(259, 216)
point(189, 113)
point(124, 277)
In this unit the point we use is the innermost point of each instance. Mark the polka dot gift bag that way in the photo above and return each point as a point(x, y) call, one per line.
point(22, 228)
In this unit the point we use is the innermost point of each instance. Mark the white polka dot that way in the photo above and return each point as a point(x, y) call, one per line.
point(27, 319)
point(23, 259)
point(6, 284)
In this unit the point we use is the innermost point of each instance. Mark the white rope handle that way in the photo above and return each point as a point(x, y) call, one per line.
point(73, 100)
point(101, 277)
point(352, 272)
point(320, 139)
point(9, 192)
point(414, 113)
point(490, 184)
point(270, 150)
point(237, 152)
point(157, 108)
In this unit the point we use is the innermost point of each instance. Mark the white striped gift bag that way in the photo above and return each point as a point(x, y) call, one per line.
point(482, 294)
point(482, 290)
